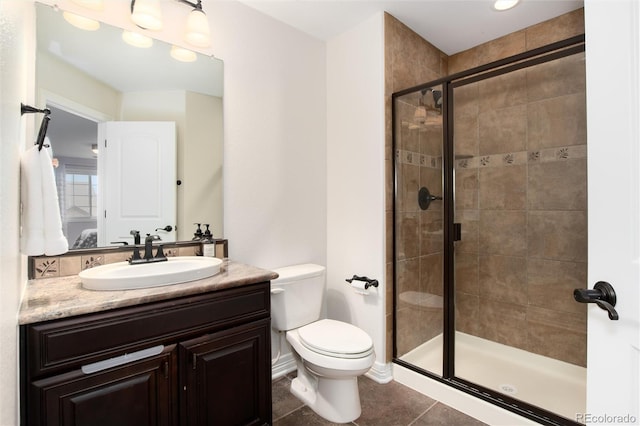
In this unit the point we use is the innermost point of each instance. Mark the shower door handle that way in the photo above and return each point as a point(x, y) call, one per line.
point(602, 295)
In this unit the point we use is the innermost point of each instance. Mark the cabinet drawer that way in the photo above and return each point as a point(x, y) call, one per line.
point(139, 393)
point(68, 343)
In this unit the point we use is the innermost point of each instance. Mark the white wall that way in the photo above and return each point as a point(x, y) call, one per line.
point(17, 53)
point(274, 125)
point(355, 179)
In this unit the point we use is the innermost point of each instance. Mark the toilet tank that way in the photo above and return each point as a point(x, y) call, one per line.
point(296, 296)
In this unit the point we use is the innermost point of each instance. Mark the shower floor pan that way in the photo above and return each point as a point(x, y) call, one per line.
point(553, 385)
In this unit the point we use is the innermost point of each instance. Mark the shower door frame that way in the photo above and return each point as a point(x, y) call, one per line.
point(523, 60)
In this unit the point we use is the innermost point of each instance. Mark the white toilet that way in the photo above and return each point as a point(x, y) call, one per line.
point(330, 354)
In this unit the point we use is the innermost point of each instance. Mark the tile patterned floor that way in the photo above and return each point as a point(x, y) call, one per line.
point(390, 404)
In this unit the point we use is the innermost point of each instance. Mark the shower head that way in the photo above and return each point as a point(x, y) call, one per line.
point(437, 98)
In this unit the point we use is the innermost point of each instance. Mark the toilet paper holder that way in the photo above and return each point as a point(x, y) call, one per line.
point(369, 282)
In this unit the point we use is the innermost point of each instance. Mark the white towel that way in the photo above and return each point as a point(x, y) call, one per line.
point(41, 224)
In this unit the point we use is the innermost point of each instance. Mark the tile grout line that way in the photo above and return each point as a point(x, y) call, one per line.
point(423, 413)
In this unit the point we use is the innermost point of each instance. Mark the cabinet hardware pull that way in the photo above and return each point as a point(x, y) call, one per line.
point(194, 361)
point(166, 369)
point(121, 360)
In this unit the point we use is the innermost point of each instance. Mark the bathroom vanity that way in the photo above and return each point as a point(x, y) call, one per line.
point(195, 353)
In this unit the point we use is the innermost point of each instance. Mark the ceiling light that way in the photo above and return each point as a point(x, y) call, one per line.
point(81, 22)
point(197, 32)
point(136, 39)
point(147, 14)
point(183, 55)
point(505, 4)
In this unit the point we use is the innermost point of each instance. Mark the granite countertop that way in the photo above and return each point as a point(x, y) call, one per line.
point(55, 298)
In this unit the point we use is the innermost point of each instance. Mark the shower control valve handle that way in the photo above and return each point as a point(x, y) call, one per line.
point(602, 295)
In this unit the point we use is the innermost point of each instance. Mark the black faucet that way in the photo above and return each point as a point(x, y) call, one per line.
point(136, 236)
point(148, 252)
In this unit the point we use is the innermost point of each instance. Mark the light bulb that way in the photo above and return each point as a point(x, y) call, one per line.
point(197, 32)
point(136, 39)
point(81, 22)
point(505, 4)
point(183, 55)
point(147, 14)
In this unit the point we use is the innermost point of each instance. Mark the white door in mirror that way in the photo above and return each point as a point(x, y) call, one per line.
point(137, 186)
point(123, 276)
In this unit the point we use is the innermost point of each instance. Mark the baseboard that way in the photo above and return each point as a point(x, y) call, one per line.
point(285, 365)
point(380, 372)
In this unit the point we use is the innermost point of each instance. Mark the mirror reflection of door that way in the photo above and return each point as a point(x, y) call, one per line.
point(149, 160)
point(137, 169)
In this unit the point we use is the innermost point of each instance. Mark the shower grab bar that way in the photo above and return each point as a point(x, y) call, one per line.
point(369, 282)
point(602, 295)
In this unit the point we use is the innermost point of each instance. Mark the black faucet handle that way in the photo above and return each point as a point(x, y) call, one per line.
point(136, 255)
point(160, 253)
point(136, 236)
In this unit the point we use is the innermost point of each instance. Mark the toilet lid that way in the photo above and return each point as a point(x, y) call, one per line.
point(336, 338)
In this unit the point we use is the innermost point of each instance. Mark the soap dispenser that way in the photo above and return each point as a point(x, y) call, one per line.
point(208, 243)
point(197, 236)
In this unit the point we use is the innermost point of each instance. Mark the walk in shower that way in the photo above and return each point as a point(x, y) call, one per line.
point(490, 231)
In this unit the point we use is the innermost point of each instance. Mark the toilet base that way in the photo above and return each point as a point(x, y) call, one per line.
point(336, 400)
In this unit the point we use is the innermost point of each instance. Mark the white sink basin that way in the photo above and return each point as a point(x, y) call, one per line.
point(123, 276)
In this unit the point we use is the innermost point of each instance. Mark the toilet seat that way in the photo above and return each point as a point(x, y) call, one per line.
point(336, 339)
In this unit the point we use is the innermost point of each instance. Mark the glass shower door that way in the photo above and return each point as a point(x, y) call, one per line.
point(520, 197)
point(419, 249)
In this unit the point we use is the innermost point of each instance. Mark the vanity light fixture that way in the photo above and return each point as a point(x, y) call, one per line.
point(137, 39)
point(501, 5)
point(81, 22)
point(197, 31)
point(183, 55)
point(147, 14)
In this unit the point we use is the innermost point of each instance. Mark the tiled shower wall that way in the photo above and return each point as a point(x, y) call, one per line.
point(409, 61)
point(521, 196)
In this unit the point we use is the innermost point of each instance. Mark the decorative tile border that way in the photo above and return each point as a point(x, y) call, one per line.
point(523, 157)
point(75, 261)
point(47, 267)
point(416, 159)
point(496, 160)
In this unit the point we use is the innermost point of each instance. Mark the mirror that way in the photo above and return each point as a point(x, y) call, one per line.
point(89, 77)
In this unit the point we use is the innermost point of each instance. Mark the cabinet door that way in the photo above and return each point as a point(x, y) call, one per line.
point(135, 394)
point(226, 377)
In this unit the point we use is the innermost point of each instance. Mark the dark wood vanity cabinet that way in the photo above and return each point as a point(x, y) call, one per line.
point(139, 393)
point(210, 364)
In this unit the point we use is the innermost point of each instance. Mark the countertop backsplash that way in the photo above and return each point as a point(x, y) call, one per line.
point(72, 262)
